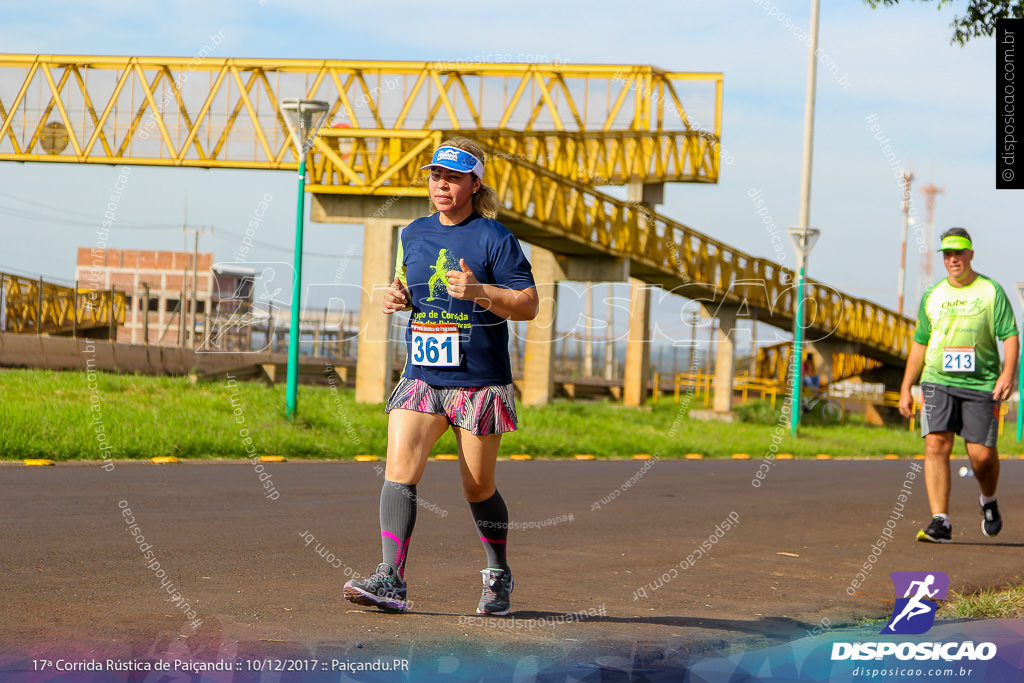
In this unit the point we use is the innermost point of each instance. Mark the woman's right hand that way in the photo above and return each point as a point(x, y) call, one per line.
point(395, 299)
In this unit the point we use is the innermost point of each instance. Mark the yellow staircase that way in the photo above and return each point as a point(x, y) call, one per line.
point(554, 134)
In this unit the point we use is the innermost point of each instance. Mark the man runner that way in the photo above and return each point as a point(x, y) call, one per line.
point(959, 323)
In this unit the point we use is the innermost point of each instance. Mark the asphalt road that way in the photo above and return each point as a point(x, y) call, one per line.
point(688, 558)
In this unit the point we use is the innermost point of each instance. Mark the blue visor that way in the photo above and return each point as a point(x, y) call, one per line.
point(455, 159)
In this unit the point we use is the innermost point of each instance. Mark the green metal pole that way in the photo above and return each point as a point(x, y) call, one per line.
point(1020, 389)
point(295, 330)
point(798, 337)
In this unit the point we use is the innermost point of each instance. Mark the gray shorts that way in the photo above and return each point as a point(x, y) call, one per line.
point(972, 414)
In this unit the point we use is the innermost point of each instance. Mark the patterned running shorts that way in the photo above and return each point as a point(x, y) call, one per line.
point(480, 410)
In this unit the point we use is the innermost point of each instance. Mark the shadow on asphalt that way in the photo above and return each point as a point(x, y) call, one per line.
point(774, 627)
point(989, 544)
point(770, 627)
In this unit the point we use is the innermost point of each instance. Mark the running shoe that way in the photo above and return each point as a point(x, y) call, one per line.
point(992, 523)
point(381, 589)
point(497, 587)
point(937, 532)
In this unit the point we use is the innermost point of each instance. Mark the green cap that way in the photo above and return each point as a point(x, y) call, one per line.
point(955, 242)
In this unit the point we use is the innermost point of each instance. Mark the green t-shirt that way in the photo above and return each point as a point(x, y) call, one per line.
point(962, 327)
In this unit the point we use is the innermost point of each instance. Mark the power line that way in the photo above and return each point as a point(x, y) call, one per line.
point(59, 220)
point(21, 272)
point(78, 214)
point(275, 247)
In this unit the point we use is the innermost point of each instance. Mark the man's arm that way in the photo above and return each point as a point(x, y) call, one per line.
point(915, 363)
point(1004, 385)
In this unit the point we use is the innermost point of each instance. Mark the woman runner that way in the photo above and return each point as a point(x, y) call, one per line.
point(463, 275)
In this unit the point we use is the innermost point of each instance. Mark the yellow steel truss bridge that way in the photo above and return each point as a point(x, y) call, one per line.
point(36, 307)
point(554, 135)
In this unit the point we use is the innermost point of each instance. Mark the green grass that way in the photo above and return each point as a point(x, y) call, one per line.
point(988, 603)
point(985, 604)
point(47, 414)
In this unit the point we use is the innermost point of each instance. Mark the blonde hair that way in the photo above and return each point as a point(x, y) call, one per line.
point(485, 199)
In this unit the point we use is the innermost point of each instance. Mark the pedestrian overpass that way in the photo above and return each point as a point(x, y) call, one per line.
point(555, 135)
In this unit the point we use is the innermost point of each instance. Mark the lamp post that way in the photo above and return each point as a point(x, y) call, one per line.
point(803, 242)
point(304, 118)
point(804, 237)
point(1020, 373)
point(812, 74)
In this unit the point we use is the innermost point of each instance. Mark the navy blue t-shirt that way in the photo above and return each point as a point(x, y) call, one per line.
point(445, 330)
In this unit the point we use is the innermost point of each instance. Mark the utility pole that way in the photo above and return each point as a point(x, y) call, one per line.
point(928, 256)
point(145, 314)
point(206, 230)
point(907, 178)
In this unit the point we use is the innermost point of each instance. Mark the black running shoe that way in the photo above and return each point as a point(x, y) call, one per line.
point(937, 532)
point(497, 587)
point(381, 589)
point(992, 523)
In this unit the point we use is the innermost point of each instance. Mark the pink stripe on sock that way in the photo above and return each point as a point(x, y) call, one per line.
point(490, 540)
point(403, 550)
point(402, 553)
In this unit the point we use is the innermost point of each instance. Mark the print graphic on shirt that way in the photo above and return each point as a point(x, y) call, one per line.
point(961, 307)
point(437, 284)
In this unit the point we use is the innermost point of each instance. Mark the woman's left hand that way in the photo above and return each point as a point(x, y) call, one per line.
point(462, 284)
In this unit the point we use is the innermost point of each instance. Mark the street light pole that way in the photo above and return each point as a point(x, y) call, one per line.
point(803, 242)
point(812, 74)
point(304, 118)
point(804, 237)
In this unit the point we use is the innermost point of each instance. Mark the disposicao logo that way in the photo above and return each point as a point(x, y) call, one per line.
point(914, 612)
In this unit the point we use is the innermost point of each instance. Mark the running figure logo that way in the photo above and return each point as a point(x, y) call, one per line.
point(914, 613)
point(437, 283)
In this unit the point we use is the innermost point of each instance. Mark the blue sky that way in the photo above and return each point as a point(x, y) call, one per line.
point(932, 101)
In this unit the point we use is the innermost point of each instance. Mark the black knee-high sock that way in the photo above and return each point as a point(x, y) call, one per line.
point(491, 517)
point(397, 519)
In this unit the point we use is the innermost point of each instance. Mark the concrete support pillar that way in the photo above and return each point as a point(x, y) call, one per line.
point(823, 351)
point(725, 358)
point(638, 344)
point(538, 386)
point(373, 360)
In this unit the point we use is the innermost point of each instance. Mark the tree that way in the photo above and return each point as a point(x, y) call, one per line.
point(980, 19)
